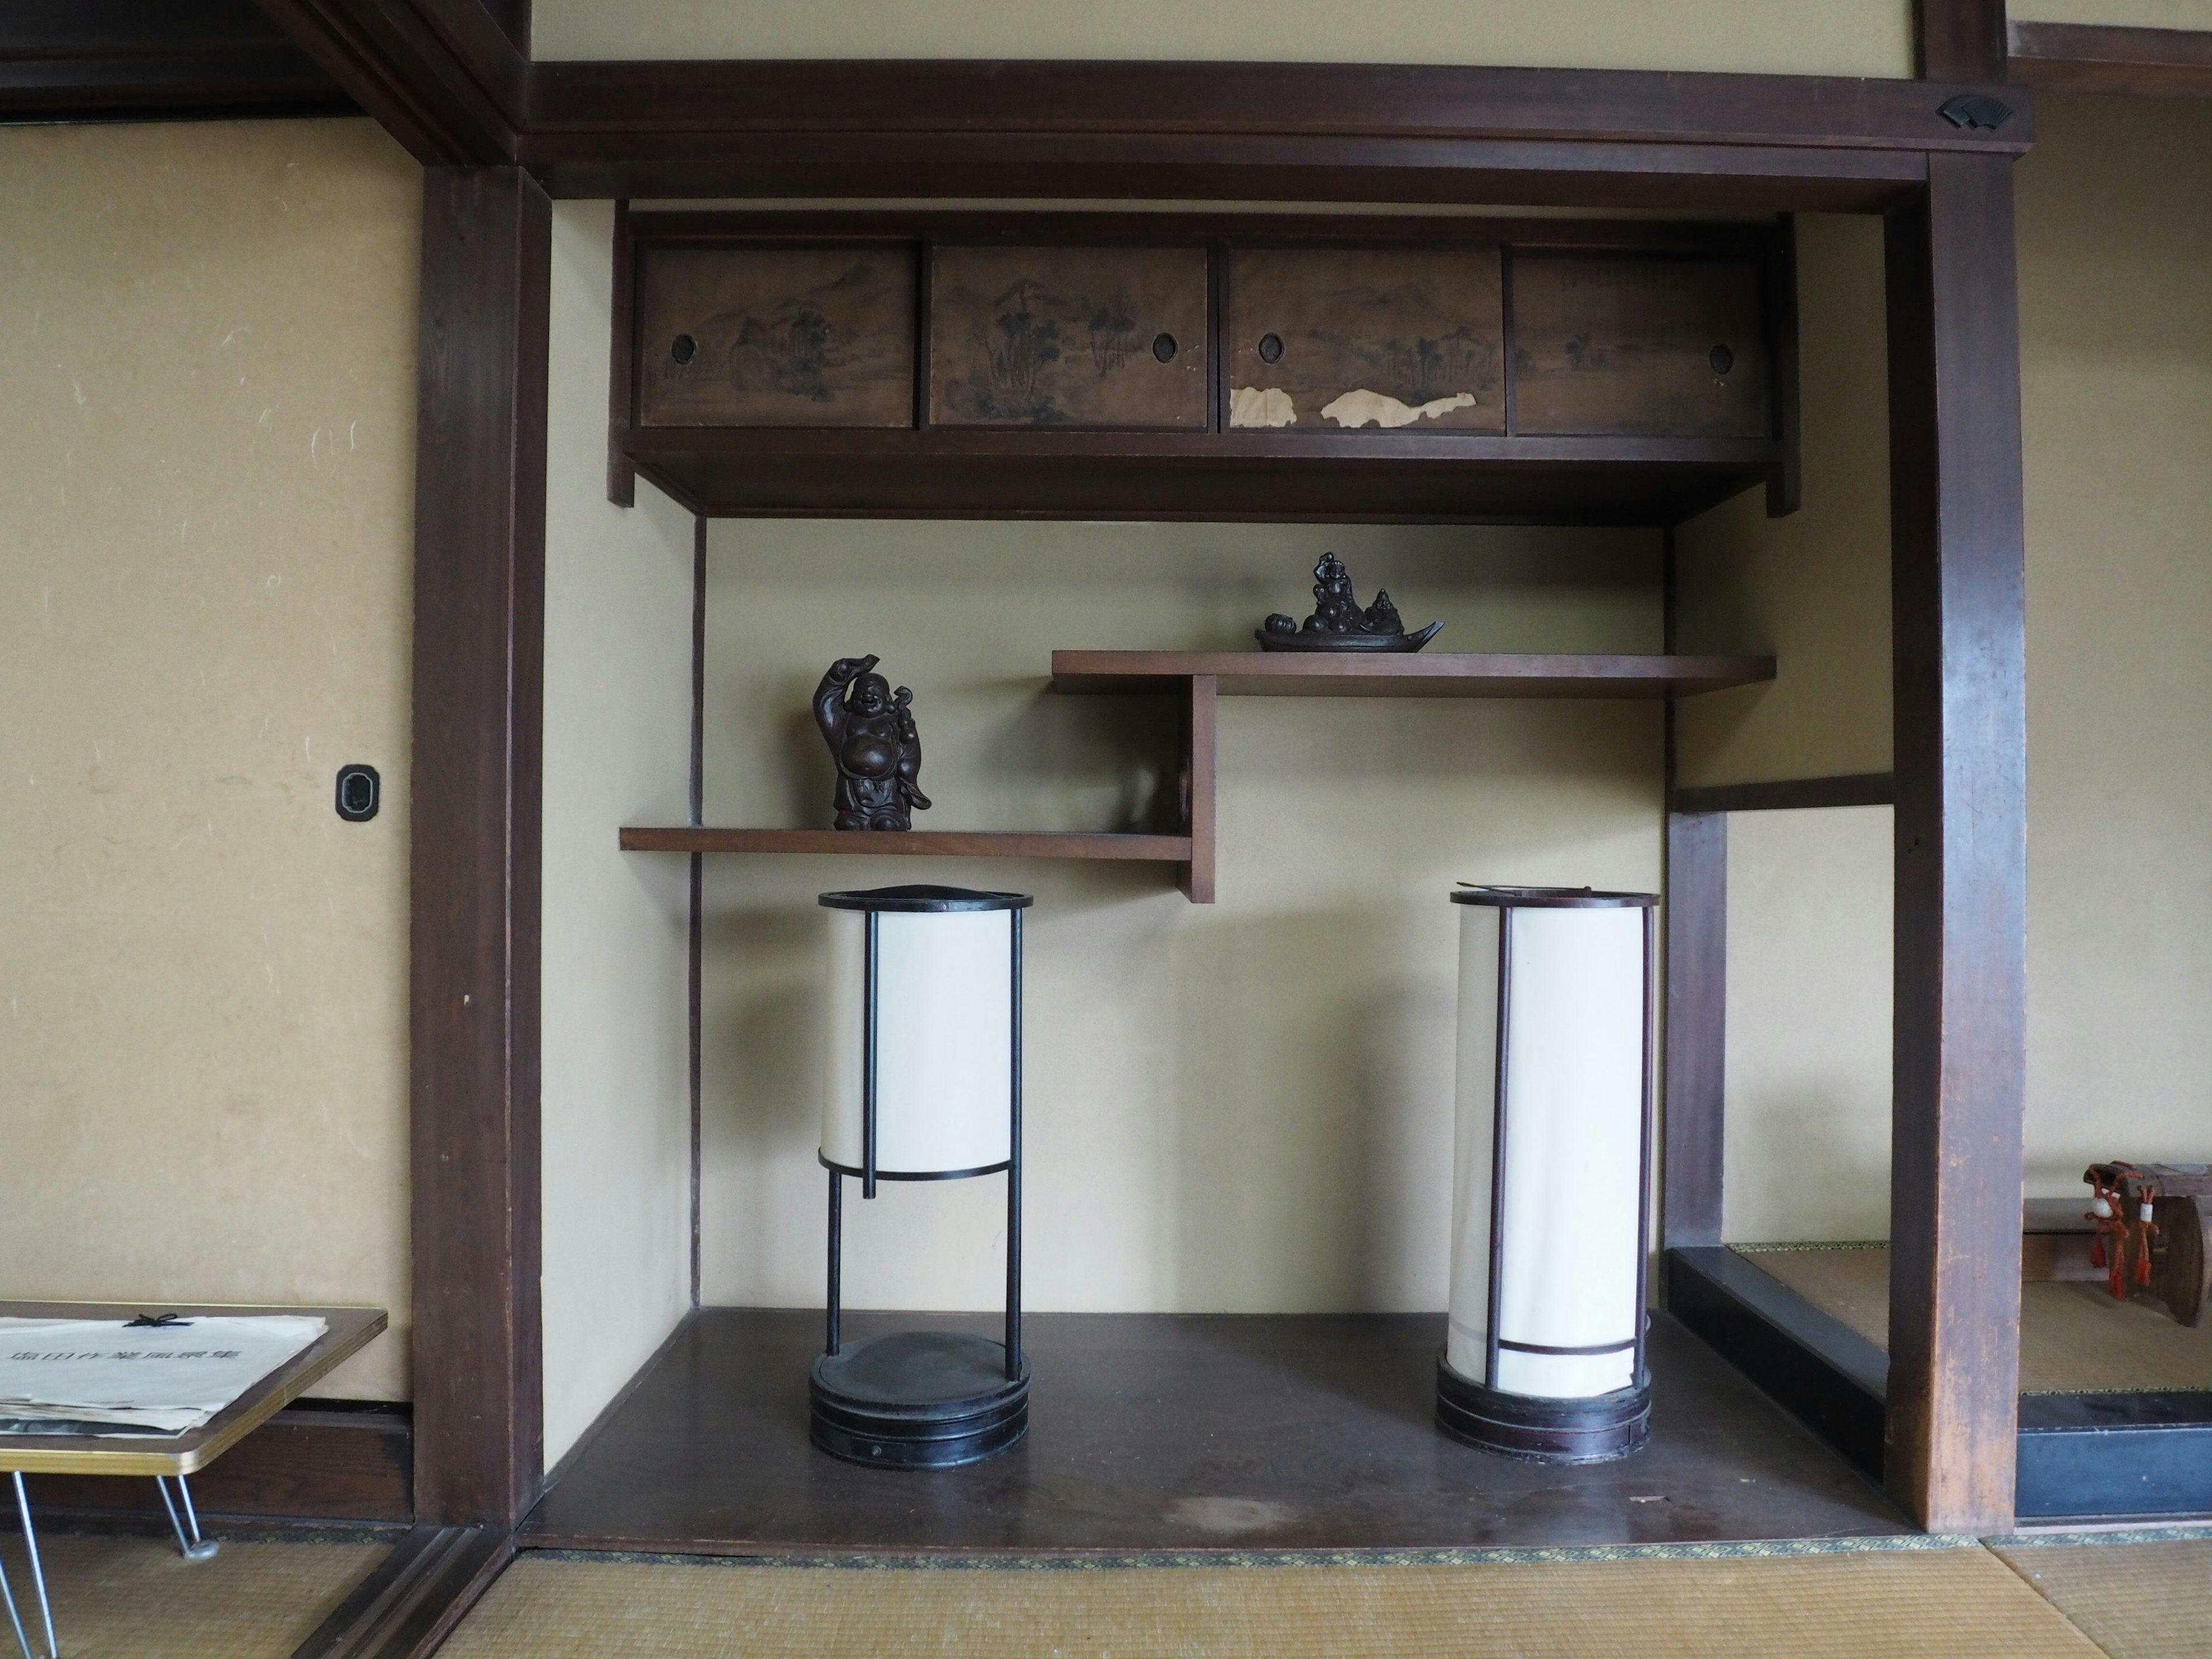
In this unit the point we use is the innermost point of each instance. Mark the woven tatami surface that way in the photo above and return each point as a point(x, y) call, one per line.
point(2074, 1338)
point(2138, 1600)
point(1927, 1603)
point(137, 1598)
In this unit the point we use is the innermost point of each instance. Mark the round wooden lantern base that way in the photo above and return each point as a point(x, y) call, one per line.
point(1539, 1431)
point(918, 1400)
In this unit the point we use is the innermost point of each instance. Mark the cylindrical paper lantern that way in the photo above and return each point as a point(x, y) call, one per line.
point(924, 1083)
point(1544, 1358)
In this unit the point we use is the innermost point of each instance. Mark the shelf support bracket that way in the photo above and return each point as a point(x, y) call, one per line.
point(1198, 775)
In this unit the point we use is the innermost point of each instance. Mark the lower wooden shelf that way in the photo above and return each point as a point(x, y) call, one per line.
point(932, 843)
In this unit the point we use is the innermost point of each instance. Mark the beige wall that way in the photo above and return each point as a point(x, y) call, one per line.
point(1802, 37)
point(1244, 1106)
point(2116, 372)
point(2123, 14)
point(616, 1132)
point(2115, 216)
point(207, 334)
point(1812, 587)
point(1808, 1012)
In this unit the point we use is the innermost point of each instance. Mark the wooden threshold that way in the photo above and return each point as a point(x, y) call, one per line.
point(929, 843)
point(1424, 674)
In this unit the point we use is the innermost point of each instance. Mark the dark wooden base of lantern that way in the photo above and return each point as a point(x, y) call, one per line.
point(1538, 1431)
point(918, 1400)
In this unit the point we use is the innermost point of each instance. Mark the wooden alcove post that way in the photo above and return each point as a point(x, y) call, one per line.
point(1958, 618)
point(479, 643)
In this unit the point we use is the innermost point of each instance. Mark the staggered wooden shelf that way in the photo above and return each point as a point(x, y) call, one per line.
point(931, 843)
point(1423, 674)
point(1199, 677)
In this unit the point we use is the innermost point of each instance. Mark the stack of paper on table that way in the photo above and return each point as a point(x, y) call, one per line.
point(59, 1375)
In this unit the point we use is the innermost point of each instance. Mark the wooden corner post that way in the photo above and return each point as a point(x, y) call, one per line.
point(479, 628)
point(1958, 587)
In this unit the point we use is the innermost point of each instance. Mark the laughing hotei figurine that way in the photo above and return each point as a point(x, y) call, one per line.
point(1339, 623)
point(870, 731)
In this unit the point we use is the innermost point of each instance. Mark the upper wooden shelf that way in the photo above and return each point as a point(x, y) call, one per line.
point(1429, 477)
point(1425, 674)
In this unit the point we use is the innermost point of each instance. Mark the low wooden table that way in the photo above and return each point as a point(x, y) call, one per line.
point(166, 1456)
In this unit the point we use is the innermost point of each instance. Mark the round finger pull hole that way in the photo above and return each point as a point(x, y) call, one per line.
point(1270, 348)
point(1722, 359)
point(360, 793)
point(1165, 348)
point(683, 348)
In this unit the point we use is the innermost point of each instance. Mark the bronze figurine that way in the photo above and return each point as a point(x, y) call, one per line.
point(870, 731)
point(1339, 623)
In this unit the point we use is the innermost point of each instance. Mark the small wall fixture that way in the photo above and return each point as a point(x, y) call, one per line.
point(1544, 1355)
point(924, 1083)
point(360, 793)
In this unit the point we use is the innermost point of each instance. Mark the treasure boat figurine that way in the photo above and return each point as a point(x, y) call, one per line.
point(1339, 623)
point(870, 733)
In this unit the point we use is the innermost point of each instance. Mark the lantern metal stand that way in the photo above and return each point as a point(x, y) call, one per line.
point(913, 1093)
point(1544, 1358)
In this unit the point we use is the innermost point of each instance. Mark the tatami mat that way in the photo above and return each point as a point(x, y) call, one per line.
point(2136, 1601)
point(1873, 1604)
point(137, 1598)
point(2074, 1338)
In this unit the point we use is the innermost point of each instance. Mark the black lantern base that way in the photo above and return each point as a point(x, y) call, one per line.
point(1538, 1431)
point(918, 1400)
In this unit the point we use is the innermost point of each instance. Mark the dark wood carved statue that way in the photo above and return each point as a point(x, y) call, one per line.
point(870, 731)
point(1339, 622)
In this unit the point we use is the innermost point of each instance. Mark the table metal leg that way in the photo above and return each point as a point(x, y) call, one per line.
point(8, 1594)
point(194, 1547)
point(38, 1580)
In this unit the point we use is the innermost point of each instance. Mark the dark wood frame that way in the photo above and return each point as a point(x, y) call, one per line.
point(2086, 57)
point(455, 87)
point(164, 60)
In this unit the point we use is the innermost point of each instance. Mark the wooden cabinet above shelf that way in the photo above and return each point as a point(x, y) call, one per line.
point(1226, 367)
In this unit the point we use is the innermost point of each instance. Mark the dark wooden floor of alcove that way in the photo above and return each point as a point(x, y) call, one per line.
point(1181, 1433)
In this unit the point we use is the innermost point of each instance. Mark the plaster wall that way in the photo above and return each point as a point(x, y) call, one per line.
point(2115, 243)
point(1774, 37)
point(207, 333)
point(1241, 1107)
point(2114, 14)
point(616, 1131)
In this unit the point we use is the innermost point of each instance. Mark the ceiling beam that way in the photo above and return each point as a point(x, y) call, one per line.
point(444, 77)
point(138, 60)
point(2086, 57)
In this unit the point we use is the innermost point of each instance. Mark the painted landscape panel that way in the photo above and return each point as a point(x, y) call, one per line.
point(1068, 337)
point(777, 336)
point(1336, 340)
point(1616, 344)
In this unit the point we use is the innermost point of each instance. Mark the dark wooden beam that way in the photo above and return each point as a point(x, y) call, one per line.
point(1959, 39)
point(1696, 1028)
point(479, 628)
point(1858, 789)
point(2088, 58)
point(443, 77)
point(150, 60)
point(407, 1607)
point(1958, 621)
point(1239, 131)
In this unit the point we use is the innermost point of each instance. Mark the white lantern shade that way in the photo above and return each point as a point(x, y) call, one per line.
point(1552, 1146)
point(943, 1043)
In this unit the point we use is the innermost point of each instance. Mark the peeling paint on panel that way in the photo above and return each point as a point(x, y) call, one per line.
point(1356, 408)
point(1252, 405)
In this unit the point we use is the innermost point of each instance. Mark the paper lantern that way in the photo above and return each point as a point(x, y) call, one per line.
point(923, 1083)
point(1544, 1355)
